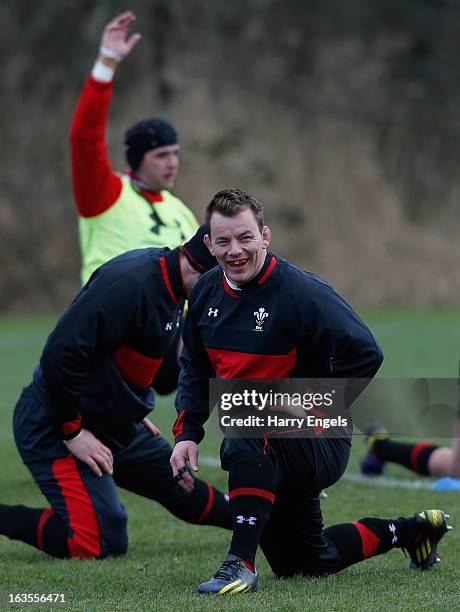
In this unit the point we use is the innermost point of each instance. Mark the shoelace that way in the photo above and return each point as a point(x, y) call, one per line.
point(228, 570)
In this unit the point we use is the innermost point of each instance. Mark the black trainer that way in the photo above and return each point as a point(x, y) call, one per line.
point(232, 577)
point(432, 526)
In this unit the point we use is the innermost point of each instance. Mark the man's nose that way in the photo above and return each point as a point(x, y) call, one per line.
point(173, 161)
point(234, 248)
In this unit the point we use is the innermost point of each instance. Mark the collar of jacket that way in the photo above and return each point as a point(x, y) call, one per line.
point(270, 264)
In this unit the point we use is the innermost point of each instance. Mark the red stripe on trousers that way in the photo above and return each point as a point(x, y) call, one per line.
point(231, 364)
point(209, 504)
point(136, 368)
point(45, 515)
point(369, 540)
point(85, 542)
point(418, 447)
point(252, 491)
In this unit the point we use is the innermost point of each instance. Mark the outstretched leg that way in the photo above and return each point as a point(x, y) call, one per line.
point(369, 537)
point(416, 456)
point(446, 461)
point(143, 468)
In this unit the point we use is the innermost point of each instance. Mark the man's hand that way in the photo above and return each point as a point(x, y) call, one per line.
point(115, 37)
point(151, 427)
point(184, 457)
point(91, 451)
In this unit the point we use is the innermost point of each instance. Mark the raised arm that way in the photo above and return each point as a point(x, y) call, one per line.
point(96, 186)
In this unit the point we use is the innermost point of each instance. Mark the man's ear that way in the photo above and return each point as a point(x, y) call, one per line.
point(207, 241)
point(266, 236)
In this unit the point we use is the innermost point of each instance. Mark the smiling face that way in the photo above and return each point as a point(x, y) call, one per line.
point(159, 167)
point(238, 244)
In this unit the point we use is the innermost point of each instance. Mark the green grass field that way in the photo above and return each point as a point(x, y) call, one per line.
point(167, 559)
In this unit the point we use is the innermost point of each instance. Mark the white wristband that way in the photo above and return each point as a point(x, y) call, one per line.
point(72, 439)
point(101, 72)
point(109, 53)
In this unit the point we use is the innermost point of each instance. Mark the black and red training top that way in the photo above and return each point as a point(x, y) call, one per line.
point(285, 323)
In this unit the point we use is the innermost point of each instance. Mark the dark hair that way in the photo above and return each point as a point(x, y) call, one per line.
point(230, 202)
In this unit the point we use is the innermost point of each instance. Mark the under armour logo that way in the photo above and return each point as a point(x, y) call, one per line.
point(212, 312)
point(168, 326)
point(251, 520)
point(392, 528)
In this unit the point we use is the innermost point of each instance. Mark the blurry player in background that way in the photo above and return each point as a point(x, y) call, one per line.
point(120, 212)
point(424, 458)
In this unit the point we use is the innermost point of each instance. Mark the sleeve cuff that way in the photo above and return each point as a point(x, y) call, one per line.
point(71, 429)
point(194, 437)
point(102, 73)
point(74, 437)
point(186, 431)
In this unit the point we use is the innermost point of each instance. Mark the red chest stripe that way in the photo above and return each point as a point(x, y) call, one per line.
point(136, 368)
point(231, 364)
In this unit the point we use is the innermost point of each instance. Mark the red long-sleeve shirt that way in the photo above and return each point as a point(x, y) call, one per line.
point(96, 185)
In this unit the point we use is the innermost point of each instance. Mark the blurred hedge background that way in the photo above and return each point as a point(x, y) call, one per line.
point(342, 117)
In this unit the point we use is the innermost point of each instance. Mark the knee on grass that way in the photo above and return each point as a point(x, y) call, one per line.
point(108, 537)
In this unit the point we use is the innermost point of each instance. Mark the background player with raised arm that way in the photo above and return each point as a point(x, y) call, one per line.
point(81, 425)
point(310, 332)
point(120, 212)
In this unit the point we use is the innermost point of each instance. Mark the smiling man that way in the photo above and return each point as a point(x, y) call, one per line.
point(257, 316)
point(120, 212)
point(239, 242)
